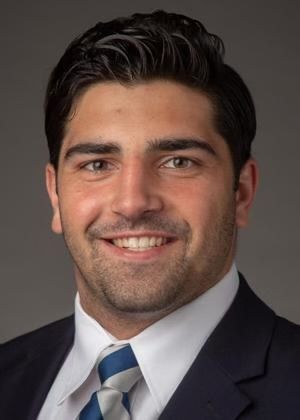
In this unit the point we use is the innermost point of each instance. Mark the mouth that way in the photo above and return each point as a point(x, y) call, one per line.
point(140, 243)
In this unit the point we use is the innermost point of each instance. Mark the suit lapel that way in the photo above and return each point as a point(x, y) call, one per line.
point(205, 393)
point(44, 370)
point(236, 351)
point(33, 374)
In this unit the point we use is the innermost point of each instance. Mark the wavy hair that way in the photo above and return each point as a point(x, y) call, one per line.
point(145, 47)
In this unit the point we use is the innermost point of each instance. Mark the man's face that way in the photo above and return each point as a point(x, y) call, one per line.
point(144, 197)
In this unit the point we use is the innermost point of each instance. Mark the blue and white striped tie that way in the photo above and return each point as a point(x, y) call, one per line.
point(118, 371)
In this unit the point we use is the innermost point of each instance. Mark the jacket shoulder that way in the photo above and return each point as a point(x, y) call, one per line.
point(286, 343)
point(30, 345)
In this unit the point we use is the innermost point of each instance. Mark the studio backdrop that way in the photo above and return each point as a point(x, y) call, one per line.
point(262, 44)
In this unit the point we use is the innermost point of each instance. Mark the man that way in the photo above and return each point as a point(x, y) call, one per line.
point(150, 178)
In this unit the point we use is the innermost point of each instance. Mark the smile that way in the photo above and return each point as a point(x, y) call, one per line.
point(139, 243)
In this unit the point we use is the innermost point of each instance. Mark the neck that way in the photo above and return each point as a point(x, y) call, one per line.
point(122, 326)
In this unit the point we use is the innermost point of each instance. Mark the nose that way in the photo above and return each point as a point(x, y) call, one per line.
point(137, 192)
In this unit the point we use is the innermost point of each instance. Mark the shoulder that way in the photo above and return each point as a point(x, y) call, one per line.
point(283, 336)
point(32, 344)
point(285, 346)
point(276, 391)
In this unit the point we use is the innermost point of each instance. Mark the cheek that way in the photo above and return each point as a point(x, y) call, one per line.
point(81, 206)
point(203, 206)
point(194, 200)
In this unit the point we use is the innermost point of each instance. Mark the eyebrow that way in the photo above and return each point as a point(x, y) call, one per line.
point(171, 145)
point(93, 148)
point(100, 146)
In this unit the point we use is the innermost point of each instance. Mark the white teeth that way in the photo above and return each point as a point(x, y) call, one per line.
point(133, 243)
point(152, 241)
point(144, 242)
point(159, 241)
point(138, 244)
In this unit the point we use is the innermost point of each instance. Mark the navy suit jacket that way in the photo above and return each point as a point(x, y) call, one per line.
point(248, 369)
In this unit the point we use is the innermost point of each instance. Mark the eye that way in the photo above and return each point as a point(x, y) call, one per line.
point(97, 166)
point(178, 163)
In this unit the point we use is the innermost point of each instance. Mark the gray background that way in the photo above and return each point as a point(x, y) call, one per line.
point(262, 40)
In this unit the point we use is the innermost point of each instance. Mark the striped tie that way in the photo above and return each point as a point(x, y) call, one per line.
point(118, 371)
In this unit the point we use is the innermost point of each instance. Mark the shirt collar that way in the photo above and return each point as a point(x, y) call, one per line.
point(178, 336)
point(90, 340)
point(167, 349)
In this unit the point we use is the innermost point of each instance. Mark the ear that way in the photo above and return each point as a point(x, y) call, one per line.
point(51, 183)
point(245, 192)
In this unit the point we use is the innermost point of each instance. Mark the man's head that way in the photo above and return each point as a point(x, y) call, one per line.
point(147, 47)
point(149, 179)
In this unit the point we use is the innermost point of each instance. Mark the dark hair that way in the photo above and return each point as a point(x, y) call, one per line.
point(144, 47)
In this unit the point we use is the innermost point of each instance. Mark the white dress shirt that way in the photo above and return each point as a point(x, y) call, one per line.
point(165, 351)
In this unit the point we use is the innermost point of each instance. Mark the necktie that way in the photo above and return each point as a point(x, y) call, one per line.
point(118, 371)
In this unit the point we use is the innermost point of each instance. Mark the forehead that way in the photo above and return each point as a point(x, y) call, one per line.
point(134, 114)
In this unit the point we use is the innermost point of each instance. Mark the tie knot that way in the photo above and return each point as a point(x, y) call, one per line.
point(118, 371)
point(119, 368)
